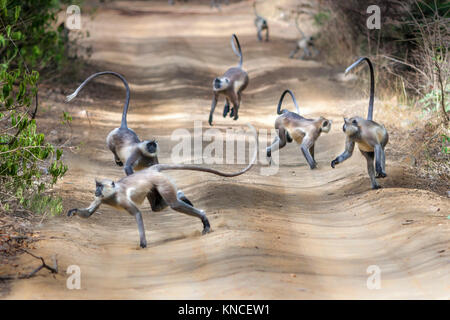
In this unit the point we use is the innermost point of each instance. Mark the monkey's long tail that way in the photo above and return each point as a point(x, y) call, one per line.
point(161, 167)
point(298, 27)
point(127, 99)
point(254, 8)
point(372, 83)
point(237, 51)
point(279, 111)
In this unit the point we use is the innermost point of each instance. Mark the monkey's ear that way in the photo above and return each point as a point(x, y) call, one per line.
point(345, 120)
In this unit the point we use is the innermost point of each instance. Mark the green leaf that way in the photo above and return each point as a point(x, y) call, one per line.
point(16, 13)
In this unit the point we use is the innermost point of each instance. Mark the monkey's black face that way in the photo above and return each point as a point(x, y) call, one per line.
point(152, 146)
point(104, 188)
point(350, 126)
point(221, 83)
point(98, 189)
point(326, 126)
point(217, 83)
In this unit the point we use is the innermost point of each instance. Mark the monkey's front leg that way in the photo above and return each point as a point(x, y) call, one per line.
point(349, 146)
point(267, 34)
point(291, 56)
point(213, 107)
point(130, 162)
point(86, 213)
point(380, 161)
point(117, 159)
point(138, 216)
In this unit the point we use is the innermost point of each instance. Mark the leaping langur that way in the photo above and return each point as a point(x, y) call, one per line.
point(292, 126)
point(370, 136)
point(124, 142)
point(129, 192)
point(261, 24)
point(305, 43)
point(231, 85)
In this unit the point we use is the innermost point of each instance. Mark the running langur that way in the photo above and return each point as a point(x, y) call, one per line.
point(129, 192)
point(292, 126)
point(261, 24)
point(124, 142)
point(370, 136)
point(305, 43)
point(231, 85)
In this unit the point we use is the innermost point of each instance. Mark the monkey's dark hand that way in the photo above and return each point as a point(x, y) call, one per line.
point(210, 120)
point(71, 212)
point(334, 162)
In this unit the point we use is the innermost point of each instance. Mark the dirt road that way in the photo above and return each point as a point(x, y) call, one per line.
point(300, 234)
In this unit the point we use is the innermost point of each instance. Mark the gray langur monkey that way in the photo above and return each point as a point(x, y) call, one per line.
point(306, 43)
point(129, 192)
point(370, 136)
point(216, 3)
point(124, 142)
point(261, 24)
point(292, 126)
point(231, 85)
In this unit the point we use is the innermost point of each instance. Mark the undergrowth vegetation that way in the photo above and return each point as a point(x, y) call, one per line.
point(31, 44)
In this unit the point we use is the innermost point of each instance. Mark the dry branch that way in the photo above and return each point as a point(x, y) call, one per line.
point(53, 269)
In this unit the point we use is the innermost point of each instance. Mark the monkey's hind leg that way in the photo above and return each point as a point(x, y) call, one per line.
point(291, 56)
point(267, 34)
point(236, 104)
point(380, 162)
point(182, 197)
point(288, 137)
point(226, 109)
point(157, 203)
point(311, 151)
point(370, 169)
point(176, 202)
point(278, 143)
point(305, 147)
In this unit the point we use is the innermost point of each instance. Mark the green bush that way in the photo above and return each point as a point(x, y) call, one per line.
point(30, 43)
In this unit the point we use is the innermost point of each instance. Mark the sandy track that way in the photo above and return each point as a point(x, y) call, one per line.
point(301, 234)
